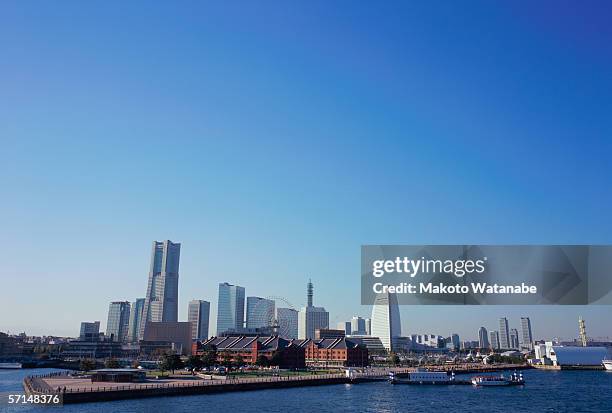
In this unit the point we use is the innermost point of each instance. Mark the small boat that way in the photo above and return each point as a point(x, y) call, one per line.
point(607, 364)
point(10, 365)
point(513, 380)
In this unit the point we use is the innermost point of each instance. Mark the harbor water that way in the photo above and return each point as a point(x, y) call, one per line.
point(545, 391)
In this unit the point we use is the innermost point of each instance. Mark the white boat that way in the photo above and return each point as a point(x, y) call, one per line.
point(514, 379)
point(10, 365)
point(607, 364)
point(423, 376)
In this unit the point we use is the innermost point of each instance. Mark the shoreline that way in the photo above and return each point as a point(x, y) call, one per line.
point(74, 391)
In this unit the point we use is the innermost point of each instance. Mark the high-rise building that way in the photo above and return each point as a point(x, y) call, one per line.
point(135, 319)
point(582, 332)
point(311, 318)
point(118, 320)
point(386, 323)
point(504, 333)
point(455, 341)
point(346, 326)
point(230, 308)
point(483, 338)
point(494, 340)
point(514, 339)
point(161, 302)
point(198, 314)
point(90, 331)
point(527, 335)
point(368, 326)
point(260, 312)
point(358, 326)
point(287, 319)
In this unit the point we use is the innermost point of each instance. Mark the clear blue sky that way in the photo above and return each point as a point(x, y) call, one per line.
point(273, 139)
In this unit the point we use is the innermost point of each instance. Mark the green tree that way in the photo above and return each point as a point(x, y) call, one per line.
point(87, 364)
point(111, 363)
point(171, 362)
point(209, 358)
point(194, 362)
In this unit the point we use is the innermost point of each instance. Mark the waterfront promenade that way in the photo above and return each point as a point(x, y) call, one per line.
point(79, 389)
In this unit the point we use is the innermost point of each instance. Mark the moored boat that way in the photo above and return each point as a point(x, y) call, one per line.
point(607, 364)
point(10, 365)
point(514, 379)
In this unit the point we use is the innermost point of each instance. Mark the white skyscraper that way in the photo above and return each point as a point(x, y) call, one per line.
point(198, 315)
point(136, 311)
point(161, 302)
point(526, 332)
point(483, 338)
point(311, 318)
point(514, 339)
point(260, 312)
point(287, 319)
point(230, 308)
point(386, 323)
point(494, 340)
point(118, 320)
point(504, 334)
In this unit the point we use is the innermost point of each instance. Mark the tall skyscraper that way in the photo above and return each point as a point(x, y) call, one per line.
point(287, 319)
point(504, 333)
point(483, 338)
point(494, 340)
point(514, 339)
point(90, 331)
point(358, 326)
point(368, 326)
point(346, 326)
point(118, 320)
point(455, 341)
point(386, 323)
point(135, 319)
point(230, 308)
point(311, 318)
point(527, 335)
point(198, 314)
point(260, 312)
point(161, 303)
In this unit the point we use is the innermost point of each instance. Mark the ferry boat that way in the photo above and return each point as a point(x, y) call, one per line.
point(10, 365)
point(423, 376)
point(607, 364)
point(513, 380)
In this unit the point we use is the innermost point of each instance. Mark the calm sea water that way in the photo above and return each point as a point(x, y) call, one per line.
point(545, 391)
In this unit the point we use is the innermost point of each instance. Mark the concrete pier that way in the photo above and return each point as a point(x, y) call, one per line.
point(81, 389)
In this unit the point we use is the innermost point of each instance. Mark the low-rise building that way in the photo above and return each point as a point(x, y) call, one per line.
point(249, 348)
point(571, 356)
point(338, 352)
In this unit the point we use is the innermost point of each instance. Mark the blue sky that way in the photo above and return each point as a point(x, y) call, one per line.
point(273, 139)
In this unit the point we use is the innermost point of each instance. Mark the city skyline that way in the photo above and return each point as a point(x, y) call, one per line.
point(123, 314)
point(274, 140)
